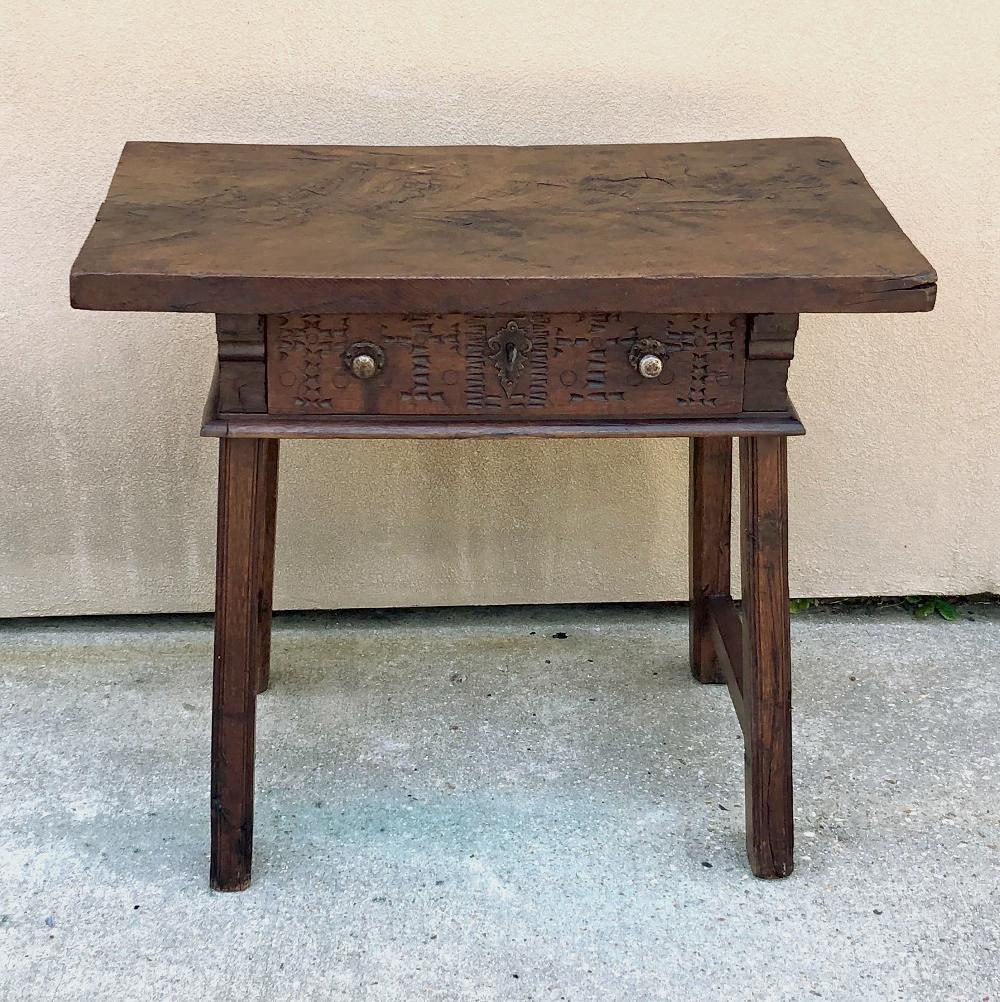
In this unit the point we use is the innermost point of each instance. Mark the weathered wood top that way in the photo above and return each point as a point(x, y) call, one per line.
point(770, 225)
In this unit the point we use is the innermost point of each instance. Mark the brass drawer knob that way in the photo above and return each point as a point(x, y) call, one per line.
point(646, 357)
point(650, 366)
point(363, 366)
point(364, 359)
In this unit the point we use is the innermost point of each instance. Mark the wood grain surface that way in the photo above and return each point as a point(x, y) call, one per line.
point(349, 427)
point(752, 226)
point(265, 595)
point(566, 366)
point(246, 472)
point(710, 485)
point(767, 667)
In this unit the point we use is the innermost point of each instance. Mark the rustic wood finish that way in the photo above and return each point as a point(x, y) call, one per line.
point(566, 365)
point(753, 226)
point(766, 662)
point(244, 490)
point(770, 349)
point(265, 594)
point(242, 369)
point(572, 375)
point(248, 426)
point(710, 479)
point(726, 630)
point(507, 292)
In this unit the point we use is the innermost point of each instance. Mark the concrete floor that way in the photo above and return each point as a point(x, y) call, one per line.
point(468, 805)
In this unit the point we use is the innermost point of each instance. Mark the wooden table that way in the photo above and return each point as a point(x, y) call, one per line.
point(497, 292)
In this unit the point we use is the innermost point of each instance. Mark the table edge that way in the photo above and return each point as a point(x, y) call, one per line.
point(368, 427)
point(148, 293)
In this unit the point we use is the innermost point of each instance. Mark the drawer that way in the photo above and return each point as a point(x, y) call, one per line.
point(560, 365)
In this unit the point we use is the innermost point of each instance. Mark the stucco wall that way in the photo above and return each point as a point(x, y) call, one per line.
point(107, 490)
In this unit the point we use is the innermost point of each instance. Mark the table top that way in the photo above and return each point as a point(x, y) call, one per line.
point(769, 225)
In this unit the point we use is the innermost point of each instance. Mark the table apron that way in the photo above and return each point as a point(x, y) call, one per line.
point(509, 375)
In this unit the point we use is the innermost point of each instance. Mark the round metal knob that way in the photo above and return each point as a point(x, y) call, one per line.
point(364, 359)
point(650, 366)
point(364, 366)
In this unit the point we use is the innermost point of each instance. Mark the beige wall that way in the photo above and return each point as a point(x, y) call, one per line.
point(107, 491)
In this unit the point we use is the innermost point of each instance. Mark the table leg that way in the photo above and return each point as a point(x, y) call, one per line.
point(766, 654)
point(265, 599)
point(709, 499)
point(244, 486)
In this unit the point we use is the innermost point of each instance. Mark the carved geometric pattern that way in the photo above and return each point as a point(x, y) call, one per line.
point(420, 333)
point(564, 342)
point(675, 341)
point(566, 365)
point(719, 340)
point(307, 335)
point(696, 396)
point(600, 334)
point(596, 375)
point(421, 375)
point(538, 375)
point(475, 365)
point(708, 343)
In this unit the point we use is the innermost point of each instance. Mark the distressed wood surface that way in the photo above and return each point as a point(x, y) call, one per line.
point(242, 372)
point(265, 594)
point(752, 226)
point(263, 426)
point(770, 348)
point(767, 681)
point(710, 484)
point(244, 489)
point(564, 365)
point(726, 631)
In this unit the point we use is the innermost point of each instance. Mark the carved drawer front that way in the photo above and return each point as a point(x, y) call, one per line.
point(564, 365)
